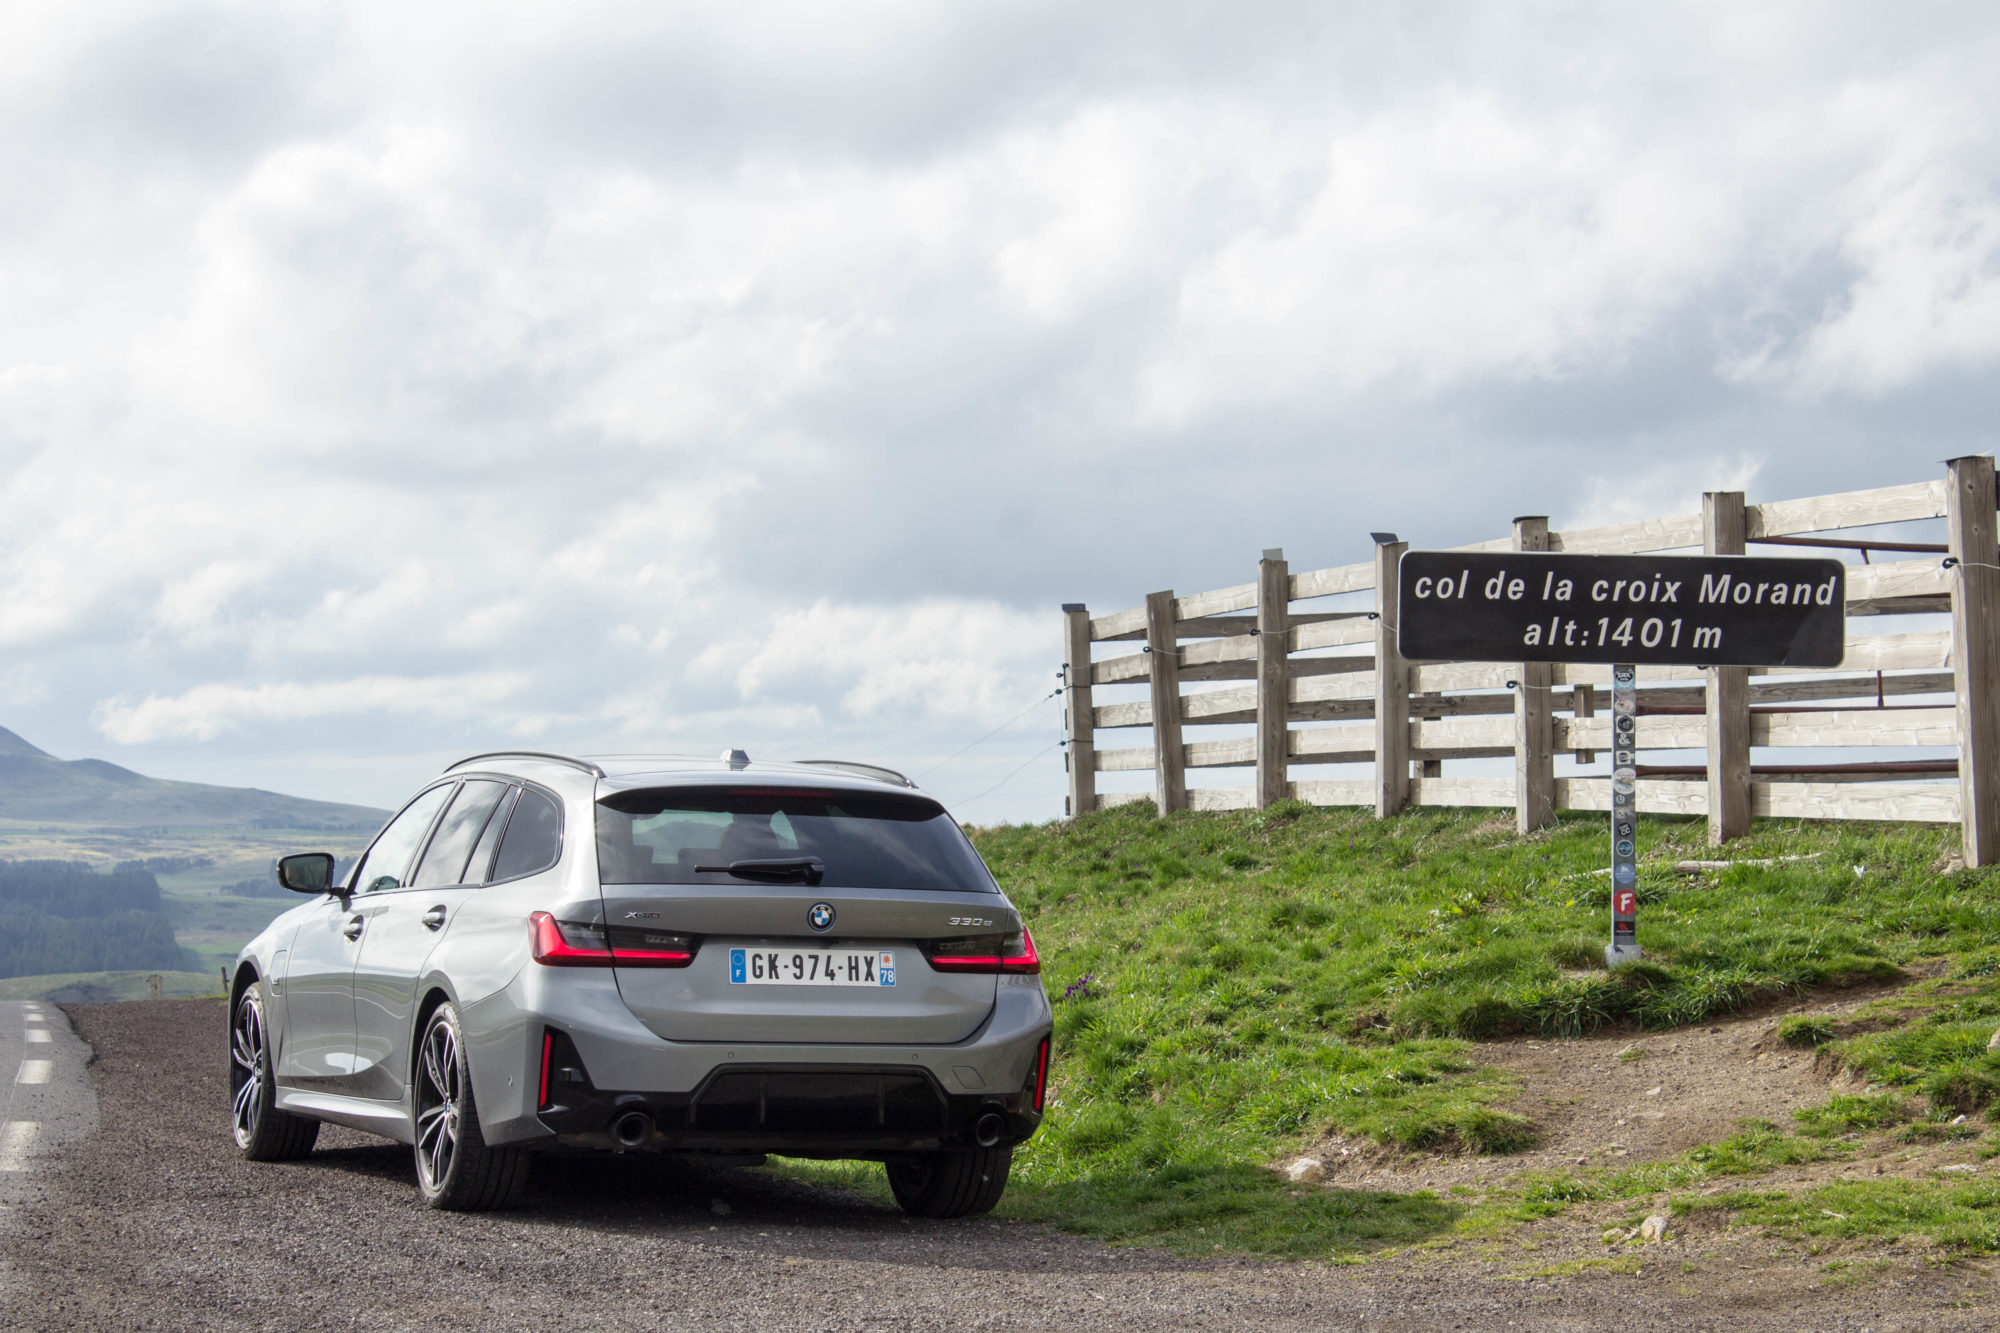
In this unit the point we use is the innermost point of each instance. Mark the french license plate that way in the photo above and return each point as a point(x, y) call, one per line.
point(812, 967)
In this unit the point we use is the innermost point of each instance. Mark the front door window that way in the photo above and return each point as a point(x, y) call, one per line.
point(387, 865)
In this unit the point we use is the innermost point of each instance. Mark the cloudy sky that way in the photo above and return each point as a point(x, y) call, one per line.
point(383, 382)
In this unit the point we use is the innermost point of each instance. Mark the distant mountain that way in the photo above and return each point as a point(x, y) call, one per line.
point(35, 785)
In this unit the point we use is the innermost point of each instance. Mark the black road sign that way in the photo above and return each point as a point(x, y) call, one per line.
point(1679, 610)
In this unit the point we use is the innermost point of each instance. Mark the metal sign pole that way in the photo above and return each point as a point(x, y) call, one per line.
point(1621, 611)
point(1624, 946)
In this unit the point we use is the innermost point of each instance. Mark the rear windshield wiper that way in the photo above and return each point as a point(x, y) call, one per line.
point(777, 869)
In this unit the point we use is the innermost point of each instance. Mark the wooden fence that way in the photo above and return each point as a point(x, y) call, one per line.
point(1313, 656)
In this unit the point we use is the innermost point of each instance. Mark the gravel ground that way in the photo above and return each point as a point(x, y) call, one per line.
point(152, 1223)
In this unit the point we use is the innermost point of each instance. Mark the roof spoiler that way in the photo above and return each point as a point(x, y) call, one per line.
point(876, 771)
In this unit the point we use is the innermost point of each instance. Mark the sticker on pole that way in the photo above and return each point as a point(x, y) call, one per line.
point(1658, 610)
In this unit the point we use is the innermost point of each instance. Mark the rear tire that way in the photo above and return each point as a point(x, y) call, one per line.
point(456, 1169)
point(263, 1132)
point(951, 1184)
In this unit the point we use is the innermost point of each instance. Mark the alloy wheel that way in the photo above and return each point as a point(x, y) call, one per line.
point(437, 1105)
point(246, 1068)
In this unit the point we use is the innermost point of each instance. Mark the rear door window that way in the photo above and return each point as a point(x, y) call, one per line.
point(489, 842)
point(863, 840)
point(451, 846)
point(533, 840)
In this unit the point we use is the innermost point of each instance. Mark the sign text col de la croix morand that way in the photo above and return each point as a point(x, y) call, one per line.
point(1687, 610)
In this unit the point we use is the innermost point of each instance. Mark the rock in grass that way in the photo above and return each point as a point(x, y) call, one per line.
point(1306, 1171)
point(1993, 1042)
point(1653, 1228)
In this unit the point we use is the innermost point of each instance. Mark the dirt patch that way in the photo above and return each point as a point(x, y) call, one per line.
point(1619, 1099)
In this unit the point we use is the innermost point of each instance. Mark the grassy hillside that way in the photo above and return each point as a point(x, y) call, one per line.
point(38, 787)
point(63, 916)
point(1229, 986)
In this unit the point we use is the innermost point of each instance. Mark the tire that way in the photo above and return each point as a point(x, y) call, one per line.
point(951, 1184)
point(456, 1169)
point(263, 1132)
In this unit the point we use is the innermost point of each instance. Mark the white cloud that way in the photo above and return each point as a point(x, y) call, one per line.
point(936, 659)
point(1665, 490)
point(691, 374)
point(208, 711)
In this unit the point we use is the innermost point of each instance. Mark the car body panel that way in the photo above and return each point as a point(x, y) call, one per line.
point(396, 943)
point(641, 1033)
point(316, 1024)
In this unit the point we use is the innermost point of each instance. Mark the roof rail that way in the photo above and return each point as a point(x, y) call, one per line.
point(583, 764)
point(876, 771)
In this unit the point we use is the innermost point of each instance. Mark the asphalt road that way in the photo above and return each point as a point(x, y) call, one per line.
point(46, 1102)
point(151, 1222)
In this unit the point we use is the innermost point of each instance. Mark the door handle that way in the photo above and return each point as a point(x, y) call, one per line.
point(353, 928)
point(434, 919)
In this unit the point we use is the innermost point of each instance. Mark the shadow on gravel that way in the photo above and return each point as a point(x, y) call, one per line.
point(642, 1197)
point(1190, 1212)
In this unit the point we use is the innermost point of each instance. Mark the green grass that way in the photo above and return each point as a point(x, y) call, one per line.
point(1938, 1048)
point(1955, 1215)
point(1230, 986)
point(111, 985)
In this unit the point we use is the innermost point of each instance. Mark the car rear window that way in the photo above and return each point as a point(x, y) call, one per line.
point(865, 841)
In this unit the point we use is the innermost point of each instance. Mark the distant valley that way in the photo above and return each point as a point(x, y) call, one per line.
point(107, 876)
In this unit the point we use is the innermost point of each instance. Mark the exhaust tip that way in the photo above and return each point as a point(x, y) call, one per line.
point(987, 1131)
point(632, 1129)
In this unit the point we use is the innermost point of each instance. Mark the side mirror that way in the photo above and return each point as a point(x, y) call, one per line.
point(307, 872)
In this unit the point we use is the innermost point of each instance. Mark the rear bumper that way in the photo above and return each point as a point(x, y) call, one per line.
point(838, 1110)
point(689, 1088)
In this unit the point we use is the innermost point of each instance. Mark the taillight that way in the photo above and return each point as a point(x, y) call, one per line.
point(581, 944)
point(1041, 1072)
point(1003, 953)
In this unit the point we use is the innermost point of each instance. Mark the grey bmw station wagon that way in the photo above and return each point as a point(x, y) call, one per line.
point(545, 954)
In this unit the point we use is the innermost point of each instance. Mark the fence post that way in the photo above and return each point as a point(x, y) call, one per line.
point(1392, 685)
point(1078, 728)
point(1164, 675)
point(1274, 696)
point(1534, 732)
point(1728, 694)
point(1975, 651)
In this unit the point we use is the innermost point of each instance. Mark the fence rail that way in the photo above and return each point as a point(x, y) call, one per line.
point(1325, 684)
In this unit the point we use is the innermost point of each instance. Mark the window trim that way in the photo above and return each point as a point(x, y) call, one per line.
point(562, 835)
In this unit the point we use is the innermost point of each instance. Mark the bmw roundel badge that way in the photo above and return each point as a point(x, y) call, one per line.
point(820, 916)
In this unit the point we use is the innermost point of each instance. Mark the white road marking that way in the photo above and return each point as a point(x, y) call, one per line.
point(34, 1071)
point(37, 1035)
point(17, 1140)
